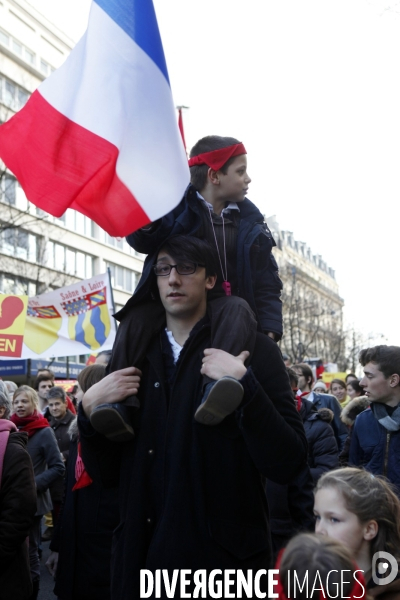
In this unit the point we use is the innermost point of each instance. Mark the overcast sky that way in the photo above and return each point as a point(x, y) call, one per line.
point(312, 89)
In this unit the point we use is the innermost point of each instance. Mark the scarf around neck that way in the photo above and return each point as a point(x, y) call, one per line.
point(389, 422)
point(30, 424)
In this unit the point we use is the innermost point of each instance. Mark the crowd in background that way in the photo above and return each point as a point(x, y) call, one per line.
point(43, 476)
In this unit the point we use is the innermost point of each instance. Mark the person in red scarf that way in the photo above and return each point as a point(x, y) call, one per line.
point(47, 463)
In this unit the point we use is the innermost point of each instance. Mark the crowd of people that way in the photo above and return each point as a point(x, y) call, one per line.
point(196, 450)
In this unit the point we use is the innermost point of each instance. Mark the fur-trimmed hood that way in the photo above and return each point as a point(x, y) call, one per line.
point(73, 430)
point(354, 408)
point(326, 414)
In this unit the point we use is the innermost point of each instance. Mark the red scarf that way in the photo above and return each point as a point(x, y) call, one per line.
point(30, 424)
point(217, 158)
point(82, 477)
point(299, 400)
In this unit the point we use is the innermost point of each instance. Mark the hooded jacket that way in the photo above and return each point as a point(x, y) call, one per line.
point(257, 271)
point(348, 416)
point(322, 445)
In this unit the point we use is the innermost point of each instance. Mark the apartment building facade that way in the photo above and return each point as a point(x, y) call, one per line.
point(37, 251)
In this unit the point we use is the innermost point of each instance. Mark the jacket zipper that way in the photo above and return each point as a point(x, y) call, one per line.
point(385, 464)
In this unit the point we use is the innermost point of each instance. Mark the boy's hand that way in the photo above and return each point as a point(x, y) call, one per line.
point(218, 363)
point(52, 563)
point(115, 387)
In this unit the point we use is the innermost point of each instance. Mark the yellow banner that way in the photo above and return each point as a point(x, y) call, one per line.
point(12, 324)
point(327, 377)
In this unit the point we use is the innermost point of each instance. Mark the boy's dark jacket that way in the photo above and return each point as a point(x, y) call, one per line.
point(192, 496)
point(257, 271)
point(375, 448)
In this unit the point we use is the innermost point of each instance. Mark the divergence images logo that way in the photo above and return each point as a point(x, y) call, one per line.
point(384, 563)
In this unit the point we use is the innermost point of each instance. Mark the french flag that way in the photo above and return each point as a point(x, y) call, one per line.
point(100, 135)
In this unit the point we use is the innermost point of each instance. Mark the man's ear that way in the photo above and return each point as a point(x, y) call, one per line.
point(394, 380)
point(210, 281)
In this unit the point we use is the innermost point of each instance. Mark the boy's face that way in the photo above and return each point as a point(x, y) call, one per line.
point(234, 184)
point(377, 387)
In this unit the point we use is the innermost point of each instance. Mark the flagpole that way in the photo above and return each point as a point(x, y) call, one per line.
point(112, 295)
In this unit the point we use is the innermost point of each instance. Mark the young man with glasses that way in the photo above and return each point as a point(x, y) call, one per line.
point(191, 496)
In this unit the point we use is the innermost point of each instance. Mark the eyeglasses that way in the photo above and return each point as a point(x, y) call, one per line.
point(186, 268)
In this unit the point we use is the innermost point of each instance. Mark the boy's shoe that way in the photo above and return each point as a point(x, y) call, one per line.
point(224, 397)
point(113, 421)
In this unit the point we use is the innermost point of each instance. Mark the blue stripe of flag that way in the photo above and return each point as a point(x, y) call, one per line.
point(138, 19)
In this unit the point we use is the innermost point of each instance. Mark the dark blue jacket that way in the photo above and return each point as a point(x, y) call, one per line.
point(257, 271)
point(375, 448)
point(322, 445)
point(339, 429)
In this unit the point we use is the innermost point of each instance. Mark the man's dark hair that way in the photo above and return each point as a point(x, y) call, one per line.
point(306, 371)
point(48, 372)
point(293, 377)
point(198, 173)
point(387, 358)
point(40, 378)
point(187, 247)
point(57, 392)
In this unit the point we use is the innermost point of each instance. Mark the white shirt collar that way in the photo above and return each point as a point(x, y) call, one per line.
point(231, 205)
point(176, 348)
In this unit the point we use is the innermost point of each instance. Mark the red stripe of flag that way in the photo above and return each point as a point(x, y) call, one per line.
point(62, 157)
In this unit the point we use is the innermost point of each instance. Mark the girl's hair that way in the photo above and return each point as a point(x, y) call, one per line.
point(30, 393)
point(338, 381)
point(369, 498)
point(91, 375)
point(309, 553)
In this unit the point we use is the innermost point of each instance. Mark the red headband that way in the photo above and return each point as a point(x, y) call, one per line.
point(217, 158)
point(357, 591)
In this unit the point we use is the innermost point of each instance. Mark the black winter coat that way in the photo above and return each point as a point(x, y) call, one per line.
point(192, 496)
point(291, 508)
point(257, 271)
point(83, 537)
point(17, 511)
point(322, 445)
point(60, 428)
point(339, 428)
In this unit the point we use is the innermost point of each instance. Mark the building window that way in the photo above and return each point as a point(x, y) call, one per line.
point(18, 48)
point(15, 285)
point(75, 221)
point(19, 243)
point(68, 260)
point(8, 189)
point(4, 39)
point(122, 278)
point(12, 95)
